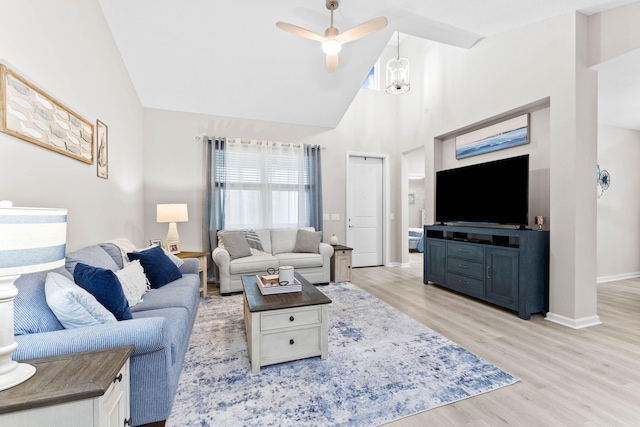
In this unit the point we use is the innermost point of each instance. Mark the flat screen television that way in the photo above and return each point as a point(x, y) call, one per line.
point(487, 193)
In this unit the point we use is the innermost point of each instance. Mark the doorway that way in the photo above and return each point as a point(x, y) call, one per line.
point(413, 221)
point(365, 208)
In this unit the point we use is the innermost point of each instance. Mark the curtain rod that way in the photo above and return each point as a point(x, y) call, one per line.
point(260, 142)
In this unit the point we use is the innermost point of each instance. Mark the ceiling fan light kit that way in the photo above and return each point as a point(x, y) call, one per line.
point(331, 46)
point(398, 74)
point(333, 40)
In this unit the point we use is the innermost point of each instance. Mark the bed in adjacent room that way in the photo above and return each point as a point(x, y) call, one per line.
point(416, 239)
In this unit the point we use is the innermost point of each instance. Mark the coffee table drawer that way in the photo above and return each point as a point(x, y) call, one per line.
point(290, 318)
point(290, 345)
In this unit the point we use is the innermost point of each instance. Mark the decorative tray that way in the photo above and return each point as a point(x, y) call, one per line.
point(269, 285)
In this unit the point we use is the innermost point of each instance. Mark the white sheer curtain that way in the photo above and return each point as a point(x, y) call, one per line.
point(264, 185)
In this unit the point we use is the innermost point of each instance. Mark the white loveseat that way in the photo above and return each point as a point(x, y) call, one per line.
point(280, 246)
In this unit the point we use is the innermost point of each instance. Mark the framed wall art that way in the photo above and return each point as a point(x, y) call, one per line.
point(506, 134)
point(28, 113)
point(102, 150)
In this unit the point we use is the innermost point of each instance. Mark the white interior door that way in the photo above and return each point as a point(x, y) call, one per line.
point(365, 210)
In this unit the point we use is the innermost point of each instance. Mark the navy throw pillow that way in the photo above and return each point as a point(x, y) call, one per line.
point(104, 285)
point(157, 266)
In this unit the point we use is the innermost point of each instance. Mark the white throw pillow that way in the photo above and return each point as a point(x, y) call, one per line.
point(125, 246)
point(177, 261)
point(73, 306)
point(134, 282)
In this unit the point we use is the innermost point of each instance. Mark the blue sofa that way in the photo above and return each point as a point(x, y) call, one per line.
point(160, 329)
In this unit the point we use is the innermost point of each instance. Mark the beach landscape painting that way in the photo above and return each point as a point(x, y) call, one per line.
point(506, 134)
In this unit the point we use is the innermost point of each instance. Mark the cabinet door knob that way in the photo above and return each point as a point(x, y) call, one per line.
point(291, 318)
point(291, 342)
point(127, 422)
point(118, 378)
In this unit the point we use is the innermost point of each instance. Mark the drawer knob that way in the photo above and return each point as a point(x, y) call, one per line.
point(127, 422)
point(118, 378)
point(291, 318)
point(291, 342)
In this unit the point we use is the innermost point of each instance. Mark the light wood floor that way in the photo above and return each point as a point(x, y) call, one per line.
point(588, 377)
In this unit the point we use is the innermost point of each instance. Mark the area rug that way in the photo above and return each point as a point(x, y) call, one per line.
point(382, 366)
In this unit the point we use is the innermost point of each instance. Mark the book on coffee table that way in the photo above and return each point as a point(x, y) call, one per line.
point(270, 284)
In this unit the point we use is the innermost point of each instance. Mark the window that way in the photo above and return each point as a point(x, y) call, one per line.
point(372, 81)
point(262, 186)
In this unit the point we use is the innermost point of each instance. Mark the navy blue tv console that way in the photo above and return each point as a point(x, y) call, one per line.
point(506, 267)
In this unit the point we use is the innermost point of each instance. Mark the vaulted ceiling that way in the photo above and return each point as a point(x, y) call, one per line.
point(227, 58)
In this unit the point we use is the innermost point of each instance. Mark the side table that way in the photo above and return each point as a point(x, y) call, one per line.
point(89, 388)
point(341, 263)
point(202, 257)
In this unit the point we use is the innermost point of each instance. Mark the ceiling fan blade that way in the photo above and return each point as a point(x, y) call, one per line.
point(362, 30)
point(332, 63)
point(299, 31)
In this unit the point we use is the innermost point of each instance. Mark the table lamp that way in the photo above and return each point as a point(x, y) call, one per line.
point(172, 213)
point(31, 240)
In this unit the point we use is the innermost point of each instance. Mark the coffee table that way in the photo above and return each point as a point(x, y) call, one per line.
point(285, 327)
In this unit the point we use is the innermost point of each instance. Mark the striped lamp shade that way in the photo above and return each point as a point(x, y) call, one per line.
point(31, 240)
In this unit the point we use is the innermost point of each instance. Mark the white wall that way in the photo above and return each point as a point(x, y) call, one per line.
point(538, 150)
point(174, 158)
point(503, 74)
point(416, 187)
point(65, 48)
point(619, 206)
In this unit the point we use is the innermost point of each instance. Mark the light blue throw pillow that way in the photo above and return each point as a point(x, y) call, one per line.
point(73, 306)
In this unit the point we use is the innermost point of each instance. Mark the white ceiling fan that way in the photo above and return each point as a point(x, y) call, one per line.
point(332, 40)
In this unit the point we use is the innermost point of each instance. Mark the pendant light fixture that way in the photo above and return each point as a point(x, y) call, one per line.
point(398, 71)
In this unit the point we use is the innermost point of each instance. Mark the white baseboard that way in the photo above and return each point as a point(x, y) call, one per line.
point(398, 264)
point(615, 277)
point(584, 322)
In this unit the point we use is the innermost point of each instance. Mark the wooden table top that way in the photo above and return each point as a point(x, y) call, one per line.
point(310, 295)
point(188, 254)
point(341, 248)
point(66, 378)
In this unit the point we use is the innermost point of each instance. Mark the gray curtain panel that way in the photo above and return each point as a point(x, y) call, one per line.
point(214, 198)
point(313, 186)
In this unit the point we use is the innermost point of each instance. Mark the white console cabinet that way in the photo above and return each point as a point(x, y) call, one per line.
point(72, 390)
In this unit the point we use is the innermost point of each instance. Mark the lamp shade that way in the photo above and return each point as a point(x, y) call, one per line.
point(31, 240)
point(176, 212)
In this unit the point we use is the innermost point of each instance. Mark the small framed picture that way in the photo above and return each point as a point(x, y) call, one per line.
point(102, 154)
point(155, 242)
point(174, 248)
